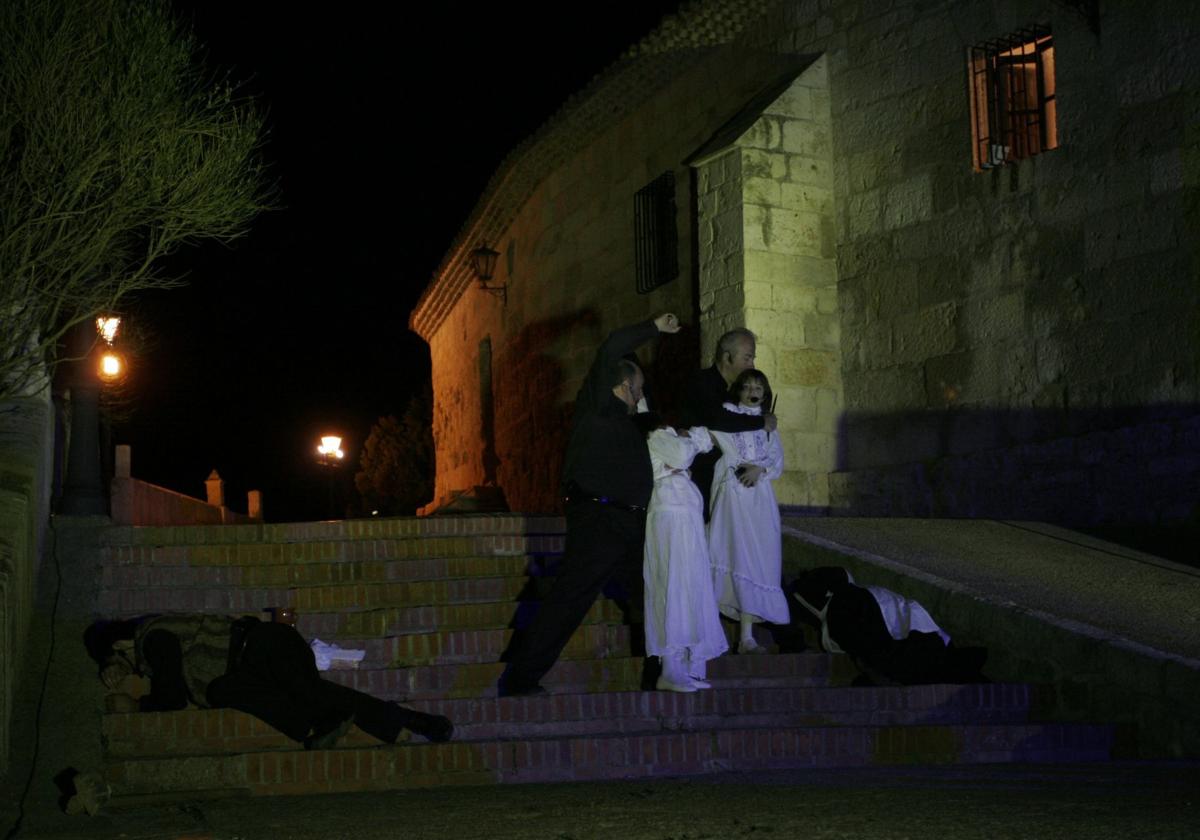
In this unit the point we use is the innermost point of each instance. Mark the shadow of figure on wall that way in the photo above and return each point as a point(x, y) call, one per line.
point(533, 406)
point(1127, 474)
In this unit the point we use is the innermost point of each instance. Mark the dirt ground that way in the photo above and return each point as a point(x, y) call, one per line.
point(1120, 800)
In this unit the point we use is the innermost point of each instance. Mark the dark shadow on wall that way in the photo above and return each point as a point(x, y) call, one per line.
point(1127, 474)
point(673, 366)
point(533, 408)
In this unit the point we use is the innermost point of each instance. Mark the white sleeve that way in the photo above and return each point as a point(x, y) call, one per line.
point(672, 450)
point(773, 462)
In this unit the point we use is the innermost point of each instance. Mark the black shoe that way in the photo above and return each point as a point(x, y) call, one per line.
point(436, 728)
point(329, 731)
point(505, 689)
point(651, 671)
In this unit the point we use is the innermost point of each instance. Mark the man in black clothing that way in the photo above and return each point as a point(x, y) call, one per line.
point(607, 481)
point(708, 392)
point(265, 669)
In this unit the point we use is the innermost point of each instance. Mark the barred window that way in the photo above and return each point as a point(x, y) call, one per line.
point(656, 239)
point(1013, 108)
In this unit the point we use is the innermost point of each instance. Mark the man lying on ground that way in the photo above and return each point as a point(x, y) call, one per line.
point(892, 639)
point(263, 668)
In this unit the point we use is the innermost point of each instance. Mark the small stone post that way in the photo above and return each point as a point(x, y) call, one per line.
point(216, 490)
point(124, 461)
point(254, 504)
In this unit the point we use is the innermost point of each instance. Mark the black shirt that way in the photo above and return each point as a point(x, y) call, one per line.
point(706, 396)
point(607, 453)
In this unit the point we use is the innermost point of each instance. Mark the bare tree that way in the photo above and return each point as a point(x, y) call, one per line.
point(116, 149)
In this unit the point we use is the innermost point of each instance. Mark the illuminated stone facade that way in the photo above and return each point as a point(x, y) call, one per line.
point(1019, 342)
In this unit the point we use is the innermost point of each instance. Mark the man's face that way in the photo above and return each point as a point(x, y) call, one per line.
point(631, 391)
point(740, 358)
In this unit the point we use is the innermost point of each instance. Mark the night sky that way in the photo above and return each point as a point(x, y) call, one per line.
point(385, 127)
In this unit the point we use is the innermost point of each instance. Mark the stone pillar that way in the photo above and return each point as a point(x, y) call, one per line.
point(124, 461)
point(83, 492)
point(216, 489)
point(254, 504)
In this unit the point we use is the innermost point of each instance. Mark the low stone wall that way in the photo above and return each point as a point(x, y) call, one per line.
point(26, 467)
point(1089, 678)
point(136, 502)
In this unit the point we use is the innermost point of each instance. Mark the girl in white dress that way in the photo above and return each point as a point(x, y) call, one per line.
point(683, 626)
point(743, 534)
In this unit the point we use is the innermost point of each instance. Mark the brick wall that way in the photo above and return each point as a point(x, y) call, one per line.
point(136, 502)
point(26, 459)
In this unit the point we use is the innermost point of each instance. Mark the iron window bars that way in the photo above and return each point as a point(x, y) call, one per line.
point(654, 231)
point(1013, 107)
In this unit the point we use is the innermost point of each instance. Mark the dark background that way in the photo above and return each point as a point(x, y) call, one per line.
point(385, 127)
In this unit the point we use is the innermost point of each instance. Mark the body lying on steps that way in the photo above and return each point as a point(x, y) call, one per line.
point(265, 669)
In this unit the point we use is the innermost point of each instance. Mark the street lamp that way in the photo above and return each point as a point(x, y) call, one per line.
point(331, 454)
point(330, 450)
point(83, 490)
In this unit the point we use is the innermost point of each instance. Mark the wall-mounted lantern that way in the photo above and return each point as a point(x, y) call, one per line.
point(483, 261)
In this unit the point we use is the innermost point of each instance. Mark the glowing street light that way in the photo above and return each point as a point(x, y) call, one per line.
point(111, 367)
point(331, 454)
point(330, 450)
point(107, 328)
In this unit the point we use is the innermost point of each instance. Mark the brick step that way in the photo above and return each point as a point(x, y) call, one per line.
point(130, 574)
point(392, 621)
point(449, 647)
point(253, 545)
point(569, 715)
point(427, 682)
point(400, 527)
point(226, 731)
point(410, 765)
point(350, 596)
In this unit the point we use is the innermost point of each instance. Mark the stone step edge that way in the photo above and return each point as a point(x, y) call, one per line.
point(213, 731)
point(513, 589)
point(617, 756)
point(513, 524)
point(742, 666)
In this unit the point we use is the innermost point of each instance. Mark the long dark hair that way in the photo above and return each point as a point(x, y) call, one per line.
point(750, 374)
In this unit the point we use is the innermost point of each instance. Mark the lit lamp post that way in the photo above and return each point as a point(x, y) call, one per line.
point(331, 454)
point(83, 491)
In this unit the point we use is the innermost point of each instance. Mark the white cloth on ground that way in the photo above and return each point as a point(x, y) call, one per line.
point(744, 540)
point(904, 615)
point(681, 618)
point(331, 656)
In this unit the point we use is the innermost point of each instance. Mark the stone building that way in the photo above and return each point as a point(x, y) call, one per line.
point(964, 231)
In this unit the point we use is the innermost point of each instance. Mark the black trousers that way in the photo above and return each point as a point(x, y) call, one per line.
point(277, 681)
point(603, 543)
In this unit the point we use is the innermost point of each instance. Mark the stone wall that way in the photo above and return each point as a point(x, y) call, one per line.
point(568, 263)
point(1023, 341)
point(1020, 341)
point(136, 502)
point(26, 462)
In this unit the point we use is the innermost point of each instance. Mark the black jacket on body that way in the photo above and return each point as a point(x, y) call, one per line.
point(607, 453)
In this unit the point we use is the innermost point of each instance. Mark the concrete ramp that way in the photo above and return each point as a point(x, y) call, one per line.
point(1116, 632)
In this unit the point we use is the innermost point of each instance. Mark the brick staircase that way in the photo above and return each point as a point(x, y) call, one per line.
point(432, 602)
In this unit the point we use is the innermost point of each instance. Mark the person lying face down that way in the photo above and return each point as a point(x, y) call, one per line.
point(265, 669)
point(892, 639)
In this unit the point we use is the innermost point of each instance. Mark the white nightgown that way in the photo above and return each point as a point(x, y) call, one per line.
point(681, 611)
point(743, 535)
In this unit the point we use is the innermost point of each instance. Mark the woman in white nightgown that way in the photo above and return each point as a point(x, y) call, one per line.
point(743, 534)
point(683, 626)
